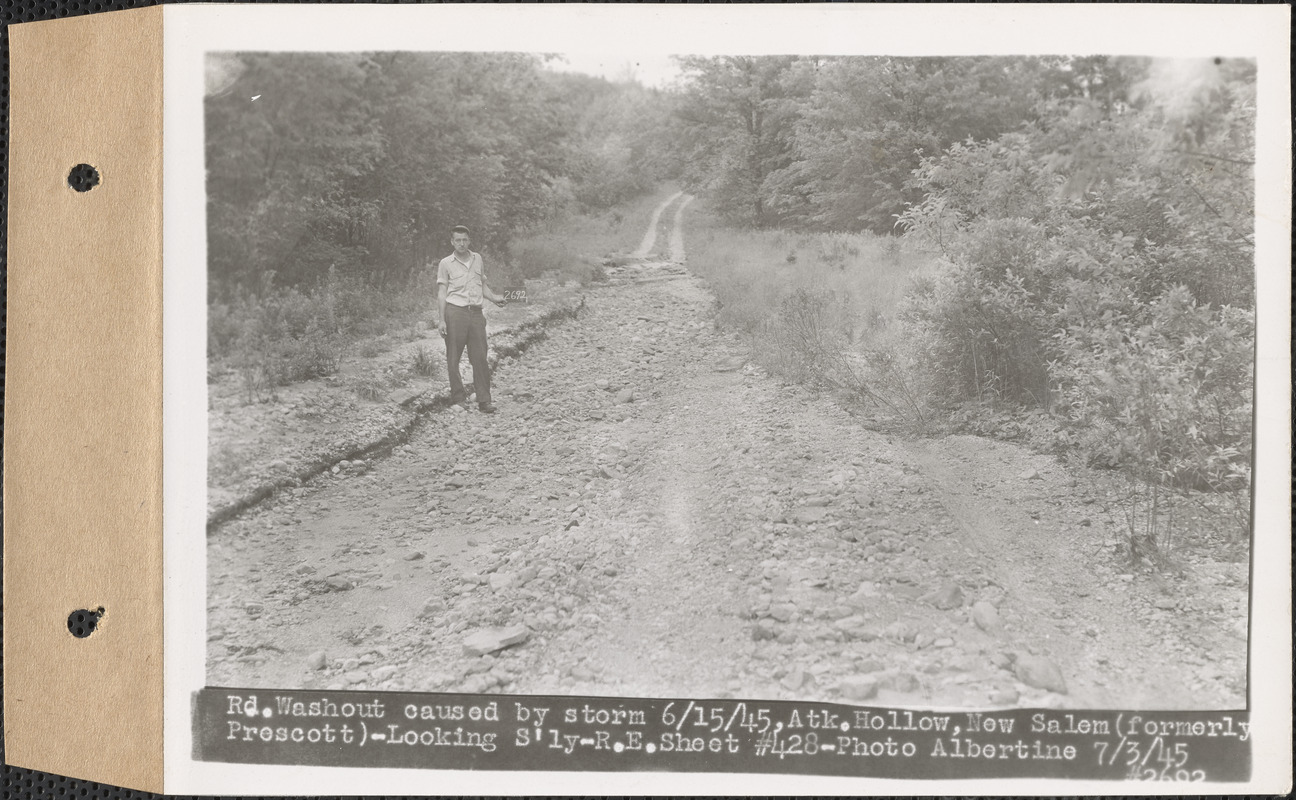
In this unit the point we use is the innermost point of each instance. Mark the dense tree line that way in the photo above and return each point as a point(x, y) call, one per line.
point(1092, 220)
point(358, 164)
point(831, 143)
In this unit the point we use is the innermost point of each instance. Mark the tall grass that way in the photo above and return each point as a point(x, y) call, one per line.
point(575, 246)
point(818, 308)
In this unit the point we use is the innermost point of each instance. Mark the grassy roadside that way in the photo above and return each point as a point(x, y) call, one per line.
point(818, 308)
point(823, 310)
point(575, 247)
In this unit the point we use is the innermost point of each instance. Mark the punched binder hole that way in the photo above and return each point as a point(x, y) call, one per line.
point(82, 623)
point(83, 177)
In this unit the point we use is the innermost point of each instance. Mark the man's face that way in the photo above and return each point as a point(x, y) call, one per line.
point(460, 242)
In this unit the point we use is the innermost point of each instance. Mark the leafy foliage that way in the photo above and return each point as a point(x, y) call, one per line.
point(1100, 265)
point(334, 178)
point(1092, 219)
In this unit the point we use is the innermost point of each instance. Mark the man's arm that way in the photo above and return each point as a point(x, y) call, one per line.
point(442, 286)
point(494, 297)
point(441, 304)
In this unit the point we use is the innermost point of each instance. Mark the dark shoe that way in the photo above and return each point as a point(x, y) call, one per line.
point(486, 408)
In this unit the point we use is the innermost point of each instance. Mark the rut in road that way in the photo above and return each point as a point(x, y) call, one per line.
point(662, 519)
point(650, 236)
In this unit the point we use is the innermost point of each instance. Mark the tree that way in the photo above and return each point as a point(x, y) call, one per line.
point(737, 114)
point(359, 164)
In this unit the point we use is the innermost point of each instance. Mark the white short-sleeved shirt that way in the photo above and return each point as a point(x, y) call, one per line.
point(463, 281)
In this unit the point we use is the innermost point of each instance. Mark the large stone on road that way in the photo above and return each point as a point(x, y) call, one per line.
point(1039, 672)
point(985, 616)
point(491, 640)
point(783, 612)
point(948, 597)
point(858, 687)
point(403, 397)
point(730, 364)
point(808, 514)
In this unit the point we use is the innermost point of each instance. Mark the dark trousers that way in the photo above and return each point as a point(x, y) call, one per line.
point(466, 326)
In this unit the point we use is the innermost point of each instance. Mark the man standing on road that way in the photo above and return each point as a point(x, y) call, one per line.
point(461, 287)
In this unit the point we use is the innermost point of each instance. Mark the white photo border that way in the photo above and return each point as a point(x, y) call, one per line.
point(191, 31)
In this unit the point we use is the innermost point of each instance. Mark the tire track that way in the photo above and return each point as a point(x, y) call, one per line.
point(650, 237)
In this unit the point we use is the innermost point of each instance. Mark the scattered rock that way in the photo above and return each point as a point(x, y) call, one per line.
point(1039, 672)
point(901, 682)
point(906, 591)
point(415, 556)
point(383, 673)
point(985, 616)
point(901, 631)
point(479, 684)
point(253, 609)
point(403, 397)
point(948, 596)
point(807, 515)
point(764, 629)
point(1165, 603)
point(1030, 474)
point(783, 612)
point(432, 609)
point(1004, 697)
point(858, 687)
point(794, 679)
point(501, 580)
point(624, 396)
point(492, 639)
point(317, 660)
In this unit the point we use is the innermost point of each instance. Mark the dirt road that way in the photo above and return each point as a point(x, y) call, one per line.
point(650, 515)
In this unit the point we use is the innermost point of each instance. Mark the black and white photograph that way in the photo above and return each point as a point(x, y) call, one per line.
point(890, 381)
point(918, 380)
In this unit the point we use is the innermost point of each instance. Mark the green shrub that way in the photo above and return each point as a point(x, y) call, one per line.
point(423, 363)
point(807, 337)
point(982, 339)
point(1174, 392)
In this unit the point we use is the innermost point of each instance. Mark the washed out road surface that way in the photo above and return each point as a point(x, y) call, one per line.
point(650, 515)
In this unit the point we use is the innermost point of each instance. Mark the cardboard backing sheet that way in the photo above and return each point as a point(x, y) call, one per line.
point(83, 412)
